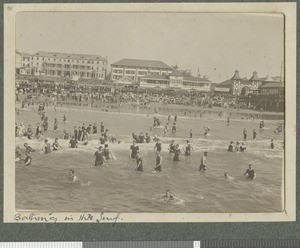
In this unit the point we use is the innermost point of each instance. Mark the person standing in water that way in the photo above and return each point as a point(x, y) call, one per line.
point(55, 124)
point(245, 134)
point(250, 173)
point(157, 146)
point(191, 133)
point(107, 153)
point(188, 148)
point(174, 128)
point(99, 157)
point(272, 146)
point(254, 134)
point(72, 176)
point(139, 163)
point(203, 166)
point(172, 147)
point(47, 147)
point(228, 121)
point(177, 152)
point(134, 149)
point(158, 166)
point(55, 145)
point(64, 118)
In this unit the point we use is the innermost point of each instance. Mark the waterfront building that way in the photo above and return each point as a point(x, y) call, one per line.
point(68, 65)
point(134, 69)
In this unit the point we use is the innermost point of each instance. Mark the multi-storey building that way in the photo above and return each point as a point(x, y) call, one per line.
point(134, 69)
point(73, 66)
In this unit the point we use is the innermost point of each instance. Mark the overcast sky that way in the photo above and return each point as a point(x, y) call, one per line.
point(216, 43)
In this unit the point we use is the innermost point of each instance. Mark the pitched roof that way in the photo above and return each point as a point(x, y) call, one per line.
point(195, 79)
point(254, 77)
point(272, 85)
point(227, 82)
point(236, 75)
point(142, 63)
point(159, 77)
point(69, 56)
point(176, 73)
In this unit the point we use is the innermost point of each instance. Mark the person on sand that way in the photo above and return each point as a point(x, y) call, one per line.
point(203, 166)
point(250, 173)
point(158, 166)
point(139, 163)
point(168, 196)
point(134, 149)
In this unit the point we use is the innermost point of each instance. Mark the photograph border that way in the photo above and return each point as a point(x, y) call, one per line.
point(289, 214)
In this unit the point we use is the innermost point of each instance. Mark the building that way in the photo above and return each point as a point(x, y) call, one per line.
point(176, 80)
point(242, 86)
point(134, 69)
point(68, 65)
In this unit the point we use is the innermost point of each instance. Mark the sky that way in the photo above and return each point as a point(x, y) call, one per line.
point(217, 44)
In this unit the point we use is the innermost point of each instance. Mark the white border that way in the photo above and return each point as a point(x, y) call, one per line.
point(288, 9)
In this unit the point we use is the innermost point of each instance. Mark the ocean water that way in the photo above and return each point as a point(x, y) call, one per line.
point(118, 188)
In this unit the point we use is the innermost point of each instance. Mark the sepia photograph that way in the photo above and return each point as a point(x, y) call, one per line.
point(149, 112)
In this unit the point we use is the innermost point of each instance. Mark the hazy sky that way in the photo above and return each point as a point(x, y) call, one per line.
point(216, 43)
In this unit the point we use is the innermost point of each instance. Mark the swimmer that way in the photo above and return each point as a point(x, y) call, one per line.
point(206, 130)
point(65, 135)
point(73, 143)
point(101, 140)
point(250, 173)
point(230, 147)
point(203, 166)
point(72, 176)
point(107, 153)
point(157, 146)
point(254, 134)
point(46, 147)
point(226, 175)
point(165, 130)
point(237, 146)
point(191, 133)
point(55, 124)
point(242, 147)
point(167, 196)
point(99, 157)
point(245, 134)
point(174, 128)
point(177, 152)
point(172, 147)
point(134, 149)
point(188, 148)
point(139, 163)
point(55, 145)
point(158, 166)
point(18, 154)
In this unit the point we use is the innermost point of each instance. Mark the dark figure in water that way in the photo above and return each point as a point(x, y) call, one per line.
point(139, 163)
point(250, 173)
point(177, 152)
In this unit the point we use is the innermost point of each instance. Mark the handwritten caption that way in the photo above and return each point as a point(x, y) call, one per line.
point(53, 218)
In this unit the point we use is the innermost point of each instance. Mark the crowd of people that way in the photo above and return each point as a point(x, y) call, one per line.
point(110, 94)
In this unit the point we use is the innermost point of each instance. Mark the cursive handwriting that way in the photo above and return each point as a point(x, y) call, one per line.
point(52, 218)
